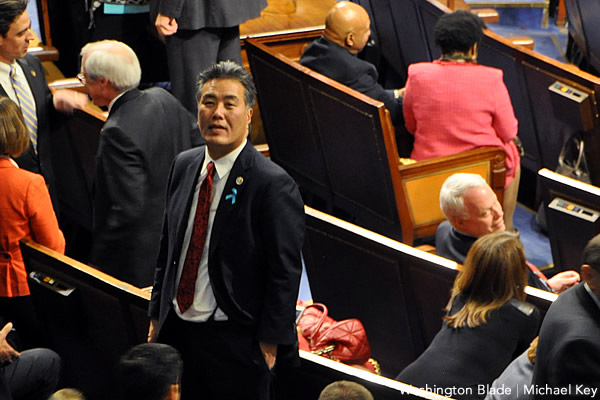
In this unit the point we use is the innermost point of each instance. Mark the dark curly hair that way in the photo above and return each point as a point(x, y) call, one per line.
point(458, 31)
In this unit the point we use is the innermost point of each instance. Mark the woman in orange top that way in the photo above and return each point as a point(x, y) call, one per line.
point(25, 212)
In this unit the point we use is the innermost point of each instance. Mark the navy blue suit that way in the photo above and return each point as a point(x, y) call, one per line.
point(337, 63)
point(254, 262)
point(568, 352)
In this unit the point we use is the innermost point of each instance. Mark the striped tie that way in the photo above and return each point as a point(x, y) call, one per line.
point(27, 106)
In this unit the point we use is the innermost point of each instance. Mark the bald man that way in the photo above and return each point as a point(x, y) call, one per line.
point(347, 31)
point(143, 133)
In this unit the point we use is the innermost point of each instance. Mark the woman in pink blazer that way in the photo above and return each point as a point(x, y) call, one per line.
point(454, 104)
point(25, 212)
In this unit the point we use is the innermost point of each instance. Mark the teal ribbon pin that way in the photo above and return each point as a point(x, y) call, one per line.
point(232, 196)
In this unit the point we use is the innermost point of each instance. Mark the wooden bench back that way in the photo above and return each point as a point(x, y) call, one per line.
point(397, 291)
point(90, 318)
point(340, 147)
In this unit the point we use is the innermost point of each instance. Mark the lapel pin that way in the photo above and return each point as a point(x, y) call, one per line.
point(239, 180)
point(232, 196)
point(33, 73)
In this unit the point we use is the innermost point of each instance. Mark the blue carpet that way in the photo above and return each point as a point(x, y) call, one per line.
point(536, 244)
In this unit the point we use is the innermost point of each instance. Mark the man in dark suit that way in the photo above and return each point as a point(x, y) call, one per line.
point(144, 132)
point(347, 31)
point(568, 356)
point(229, 265)
point(473, 210)
point(199, 33)
point(15, 35)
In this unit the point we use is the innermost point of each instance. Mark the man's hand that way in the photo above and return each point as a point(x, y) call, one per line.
point(66, 100)
point(269, 352)
point(166, 26)
point(563, 280)
point(152, 331)
point(7, 353)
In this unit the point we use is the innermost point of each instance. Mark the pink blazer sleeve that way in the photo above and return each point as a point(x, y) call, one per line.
point(407, 104)
point(42, 220)
point(505, 123)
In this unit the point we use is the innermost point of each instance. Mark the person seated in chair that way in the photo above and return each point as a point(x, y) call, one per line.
point(454, 104)
point(347, 31)
point(487, 322)
point(472, 210)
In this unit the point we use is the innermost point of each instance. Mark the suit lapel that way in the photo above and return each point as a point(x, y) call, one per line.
point(34, 83)
point(188, 181)
point(233, 194)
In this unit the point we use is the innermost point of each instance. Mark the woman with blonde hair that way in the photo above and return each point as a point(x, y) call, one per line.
point(25, 212)
point(487, 323)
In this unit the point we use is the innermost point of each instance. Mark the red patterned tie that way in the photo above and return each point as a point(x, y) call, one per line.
point(187, 282)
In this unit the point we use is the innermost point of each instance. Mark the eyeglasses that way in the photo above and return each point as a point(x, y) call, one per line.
point(81, 78)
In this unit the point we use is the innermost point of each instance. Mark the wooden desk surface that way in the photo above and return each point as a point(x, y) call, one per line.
point(278, 16)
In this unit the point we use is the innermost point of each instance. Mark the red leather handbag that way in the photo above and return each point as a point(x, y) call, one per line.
point(344, 341)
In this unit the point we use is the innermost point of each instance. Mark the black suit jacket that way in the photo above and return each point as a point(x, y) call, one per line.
point(568, 351)
point(198, 14)
point(36, 78)
point(144, 132)
point(254, 258)
point(339, 64)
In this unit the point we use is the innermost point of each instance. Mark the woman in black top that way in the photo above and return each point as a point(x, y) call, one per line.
point(486, 326)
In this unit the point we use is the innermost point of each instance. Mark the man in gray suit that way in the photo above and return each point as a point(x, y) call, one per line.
point(198, 34)
point(144, 132)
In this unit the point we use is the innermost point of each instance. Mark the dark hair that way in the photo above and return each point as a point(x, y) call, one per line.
point(458, 31)
point(591, 253)
point(9, 11)
point(147, 371)
point(345, 390)
point(14, 137)
point(495, 271)
point(228, 70)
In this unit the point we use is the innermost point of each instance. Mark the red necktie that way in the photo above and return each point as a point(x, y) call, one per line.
point(187, 282)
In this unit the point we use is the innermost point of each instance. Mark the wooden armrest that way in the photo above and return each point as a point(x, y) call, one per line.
point(524, 41)
point(44, 53)
point(67, 83)
point(263, 149)
point(488, 15)
point(427, 248)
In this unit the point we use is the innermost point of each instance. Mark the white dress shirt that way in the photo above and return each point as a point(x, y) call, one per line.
point(7, 85)
point(204, 303)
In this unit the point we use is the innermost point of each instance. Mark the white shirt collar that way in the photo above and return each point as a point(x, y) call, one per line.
point(110, 105)
point(224, 164)
point(13, 162)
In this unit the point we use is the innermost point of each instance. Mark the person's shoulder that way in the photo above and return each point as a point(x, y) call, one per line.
point(487, 71)
point(190, 155)
point(523, 307)
point(421, 66)
point(266, 169)
point(31, 60)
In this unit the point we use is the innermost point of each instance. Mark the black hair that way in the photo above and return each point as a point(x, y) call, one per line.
point(228, 70)
point(147, 371)
point(591, 253)
point(9, 11)
point(458, 31)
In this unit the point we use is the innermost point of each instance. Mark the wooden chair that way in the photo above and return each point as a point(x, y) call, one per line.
point(340, 147)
